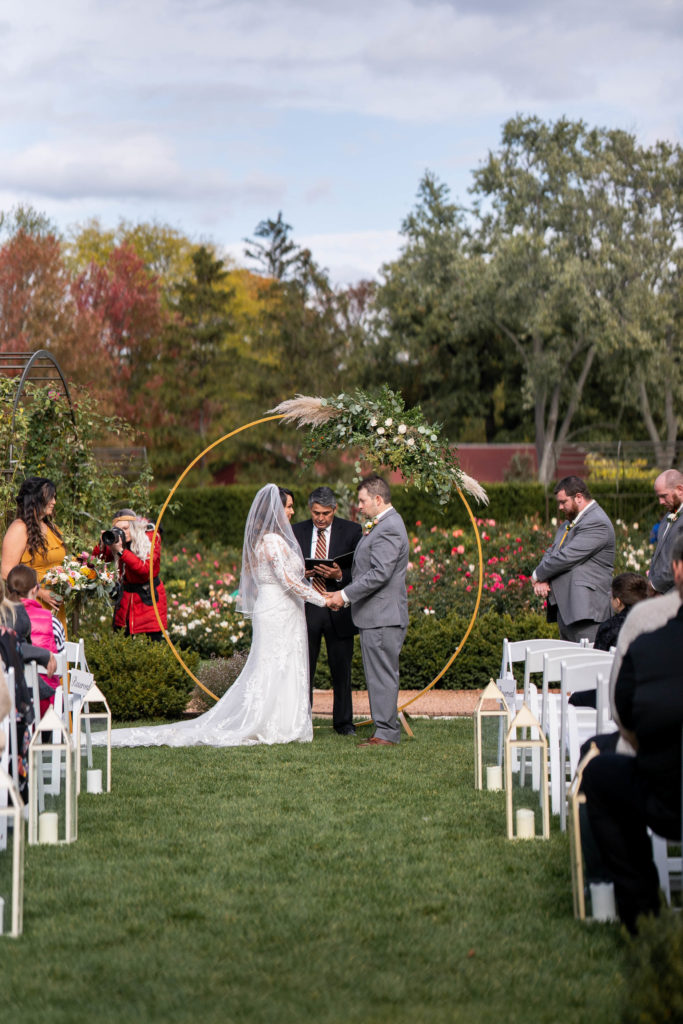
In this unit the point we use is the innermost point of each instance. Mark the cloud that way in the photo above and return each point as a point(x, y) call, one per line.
point(133, 166)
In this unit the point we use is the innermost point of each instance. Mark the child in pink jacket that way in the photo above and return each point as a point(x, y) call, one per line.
point(45, 628)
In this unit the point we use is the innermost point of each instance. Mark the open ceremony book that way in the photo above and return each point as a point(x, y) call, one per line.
point(343, 561)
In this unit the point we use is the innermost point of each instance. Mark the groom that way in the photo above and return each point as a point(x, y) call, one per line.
point(379, 605)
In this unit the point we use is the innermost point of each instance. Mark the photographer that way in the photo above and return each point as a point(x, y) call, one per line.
point(129, 544)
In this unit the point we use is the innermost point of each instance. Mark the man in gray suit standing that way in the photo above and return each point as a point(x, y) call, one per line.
point(575, 573)
point(379, 604)
point(669, 491)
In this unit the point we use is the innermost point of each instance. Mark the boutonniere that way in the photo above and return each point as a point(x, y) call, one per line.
point(673, 516)
point(369, 525)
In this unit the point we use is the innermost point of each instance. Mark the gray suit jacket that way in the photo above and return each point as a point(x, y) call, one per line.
point(378, 590)
point(580, 571)
point(661, 574)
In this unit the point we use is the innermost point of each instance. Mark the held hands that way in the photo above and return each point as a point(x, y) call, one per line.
point(334, 600)
point(541, 589)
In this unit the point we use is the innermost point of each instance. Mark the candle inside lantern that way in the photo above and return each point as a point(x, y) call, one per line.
point(494, 777)
point(526, 825)
point(94, 780)
point(602, 901)
point(48, 823)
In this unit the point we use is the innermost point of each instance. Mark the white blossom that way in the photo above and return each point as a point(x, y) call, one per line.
point(402, 428)
point(410, 440)
point(380, 430)
point(387, 423)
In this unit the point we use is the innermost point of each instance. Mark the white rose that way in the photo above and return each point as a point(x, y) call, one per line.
point(434, 437)
point(411, 440)
point(373, 421)
point(380, 430)
point(402, 428)
point(387, 423)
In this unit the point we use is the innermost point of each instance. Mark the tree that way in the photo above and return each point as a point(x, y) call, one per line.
point(427, 341)
point(205, 362)
point(567, 230)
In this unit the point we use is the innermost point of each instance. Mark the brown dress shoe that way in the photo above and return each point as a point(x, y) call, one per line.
point(376, 741)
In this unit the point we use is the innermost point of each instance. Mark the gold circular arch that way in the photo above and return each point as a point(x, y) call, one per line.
point(239, 430)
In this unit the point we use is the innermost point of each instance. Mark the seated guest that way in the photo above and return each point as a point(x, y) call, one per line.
point(628, 588)
point(626, 795)
point(39, 632)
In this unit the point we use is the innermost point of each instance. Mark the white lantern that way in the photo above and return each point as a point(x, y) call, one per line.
point(491, 723)
point(94, 717)
point(528, 808)
point(53, 798)
point(576, 801)
point(11, 857)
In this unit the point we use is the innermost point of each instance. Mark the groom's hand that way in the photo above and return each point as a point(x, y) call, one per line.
point(334, 600)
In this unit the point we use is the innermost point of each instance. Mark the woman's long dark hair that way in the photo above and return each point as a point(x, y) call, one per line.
point(32, 499)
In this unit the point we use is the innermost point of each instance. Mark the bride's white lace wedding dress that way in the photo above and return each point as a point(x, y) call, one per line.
point(269, 702)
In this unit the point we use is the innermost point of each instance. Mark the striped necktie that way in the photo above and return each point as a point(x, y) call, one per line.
point(320, 552)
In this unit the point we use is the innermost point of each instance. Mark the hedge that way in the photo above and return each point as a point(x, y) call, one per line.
point(139, 677)
point(220, 512)
point(430, 642)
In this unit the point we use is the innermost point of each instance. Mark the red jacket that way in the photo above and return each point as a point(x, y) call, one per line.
point(135, 610)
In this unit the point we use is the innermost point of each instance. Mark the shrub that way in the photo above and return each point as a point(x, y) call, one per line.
point(140, 677)
point(654, 971)
point(431, 642)
point(218, 675)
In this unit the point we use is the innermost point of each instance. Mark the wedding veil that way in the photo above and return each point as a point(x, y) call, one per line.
point(266, 516)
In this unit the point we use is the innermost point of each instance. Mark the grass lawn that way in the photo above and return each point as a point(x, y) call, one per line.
point(309, 882)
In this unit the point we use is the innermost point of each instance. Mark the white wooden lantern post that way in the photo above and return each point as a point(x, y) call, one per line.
point(491, 715)
point(576, 801)
point(528, 809)
point(94, 710)
point(11, 857)
point(53, 798)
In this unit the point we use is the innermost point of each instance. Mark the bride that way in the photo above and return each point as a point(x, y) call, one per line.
point(269, 702)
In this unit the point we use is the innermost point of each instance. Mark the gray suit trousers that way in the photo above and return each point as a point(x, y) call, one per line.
point(380, 648)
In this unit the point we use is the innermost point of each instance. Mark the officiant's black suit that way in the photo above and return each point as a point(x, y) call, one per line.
point(337, 627)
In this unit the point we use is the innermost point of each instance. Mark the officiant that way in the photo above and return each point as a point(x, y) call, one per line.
point(322, 538)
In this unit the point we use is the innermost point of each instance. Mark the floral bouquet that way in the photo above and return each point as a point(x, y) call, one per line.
point(81, 575)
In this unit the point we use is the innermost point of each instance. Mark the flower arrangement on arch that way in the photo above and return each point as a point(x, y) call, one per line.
point(83, 574)
point(388, 435)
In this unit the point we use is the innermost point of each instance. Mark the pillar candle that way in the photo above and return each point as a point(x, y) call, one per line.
point(48, 823)
point(602, 901)
point(2, 915)
point(94, 780)
point(526, 826)
point(494, 777)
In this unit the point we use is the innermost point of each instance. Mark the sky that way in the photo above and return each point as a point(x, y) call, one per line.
point(212, 115)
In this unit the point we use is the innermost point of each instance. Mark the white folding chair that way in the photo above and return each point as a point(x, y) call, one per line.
point(74, 657)
point(515, 651)
point(577, 724)
point(552, 671)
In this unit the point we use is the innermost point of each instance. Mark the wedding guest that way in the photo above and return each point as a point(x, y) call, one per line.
point(131, 549)
point(626, 795)
point(33, 538)
point(575, 573)
point(669, 491)
point(628, 588)
point(326, 535)
point(45, 630)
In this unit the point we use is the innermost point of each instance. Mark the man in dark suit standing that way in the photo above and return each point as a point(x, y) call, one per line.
point(326, 535)
point(575, 573)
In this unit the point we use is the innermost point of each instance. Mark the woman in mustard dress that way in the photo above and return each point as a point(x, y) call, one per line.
point(34, 539)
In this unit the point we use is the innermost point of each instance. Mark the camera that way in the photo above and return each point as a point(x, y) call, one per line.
point(113, 536)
